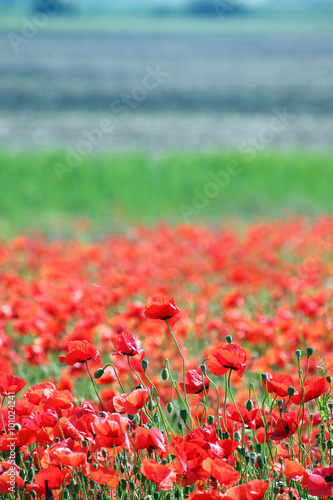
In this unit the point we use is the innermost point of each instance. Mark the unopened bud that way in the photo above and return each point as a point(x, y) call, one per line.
point(291, 391)
point(144, 364)
point(229, 339)
point(164, 374)
point(249, 405)
point(99, 373)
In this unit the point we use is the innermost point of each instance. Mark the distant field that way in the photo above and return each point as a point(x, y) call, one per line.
point(216, 90)
point(110, 189)
point(287, 18)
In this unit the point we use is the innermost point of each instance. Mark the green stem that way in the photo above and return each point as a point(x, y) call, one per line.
point(93, 383)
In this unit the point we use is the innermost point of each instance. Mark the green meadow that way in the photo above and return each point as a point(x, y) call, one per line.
point(42, 192)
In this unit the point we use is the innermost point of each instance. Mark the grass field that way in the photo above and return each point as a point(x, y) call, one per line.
point(110, 190)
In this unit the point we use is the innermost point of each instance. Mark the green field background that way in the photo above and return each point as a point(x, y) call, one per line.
point(110, 190)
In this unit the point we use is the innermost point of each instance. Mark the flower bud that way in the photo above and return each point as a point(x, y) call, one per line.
point(203, 368)
point(249, 405)
point(210, 419)
point(264, 377)
point(180, 426)
point(309, 351)
point(17, 427)
point(291, 391)
point(183, 415)
point(298, 354)
point(99, 373)
point(144, 364)
point(169, 407)
point(229, 339)
point(164, 374)
point(329, 379)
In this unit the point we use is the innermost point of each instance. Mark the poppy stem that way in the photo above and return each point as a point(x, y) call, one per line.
point(93, 383)
point(2, 419)
point(183, 360)
point(116, 374)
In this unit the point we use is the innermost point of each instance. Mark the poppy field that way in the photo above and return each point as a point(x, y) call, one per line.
point(169, 362)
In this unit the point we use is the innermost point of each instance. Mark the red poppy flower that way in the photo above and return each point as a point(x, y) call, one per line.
point(221, 471)
point(320, 482)
point(104, 475)
point(111, 432)
point(194, 383)
point(278, 383)
point(9, 384)
point(285, 426)
point(81, 351)
point(163, 475)
point(253, 490)
point(126, 343)
point(149, 439)
point(313, 388)
point(9, 476)
point(161, 308)
point(132, 402)
point(51, 478)
point(223, 358)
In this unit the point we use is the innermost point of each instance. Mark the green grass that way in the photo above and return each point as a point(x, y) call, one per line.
point(111, 190)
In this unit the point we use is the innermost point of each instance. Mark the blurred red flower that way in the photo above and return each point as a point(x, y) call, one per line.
point(81, 351)
point(161, 308)
point(226, 357)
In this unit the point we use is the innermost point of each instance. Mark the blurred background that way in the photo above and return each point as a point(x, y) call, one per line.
point(120, 110)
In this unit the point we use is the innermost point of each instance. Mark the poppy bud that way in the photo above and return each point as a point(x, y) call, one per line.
point(291, 391)
point(225, 435)
point(280, 460)
point(330, 444)
point(139, 386)
point(132, 485)
point(164, 374)
point(258, 447)
point(144, 364)
point(17, 427)
point(102, 414)
point(249, 405)
point(237, 436)
point(170, 407)
point(264, 377)
point(229, 339)
point(329, 379)
point(85, 444)
point(33, 494)
point(183, 415)
point(203, 368)
point(150, 405)
point(99, 373)
point(123, 484)
point(260, 461)
point(276, 490)
point(30, 474)
point(210, 419)
point(156, 418)
point(65, 495)
point(309, 351)
point(57, 439)
point(298, 354)
point(180, 426)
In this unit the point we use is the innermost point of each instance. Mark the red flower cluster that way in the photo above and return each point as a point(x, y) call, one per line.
point(179, 409)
